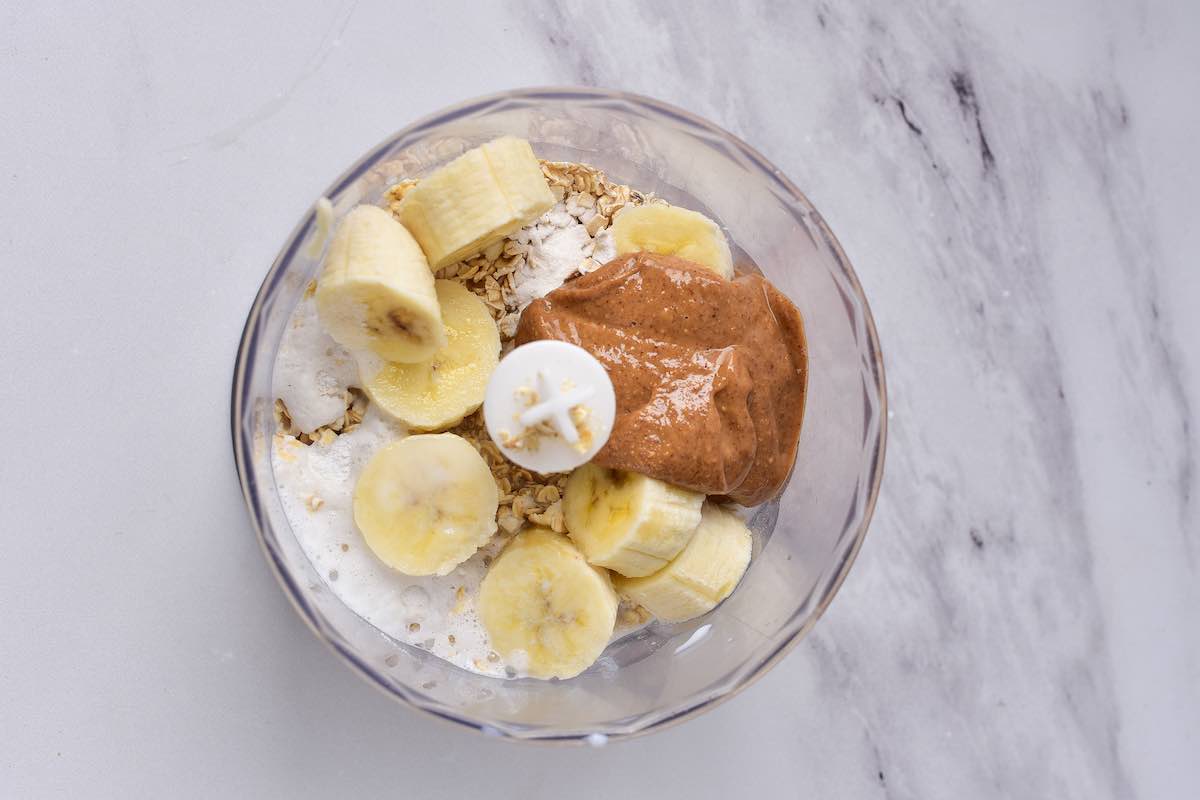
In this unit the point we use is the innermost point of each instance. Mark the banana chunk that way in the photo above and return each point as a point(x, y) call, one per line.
point(672, 231)
point(376, 290)
point(475, 200)
point(700, 577)
point(438, 392)
point(426, 503)
point(630, 523)
point(547, 611)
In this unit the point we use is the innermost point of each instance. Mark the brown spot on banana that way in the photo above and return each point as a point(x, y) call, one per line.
point(399, 322)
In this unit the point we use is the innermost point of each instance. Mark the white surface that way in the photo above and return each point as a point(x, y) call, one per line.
point(1022, 619)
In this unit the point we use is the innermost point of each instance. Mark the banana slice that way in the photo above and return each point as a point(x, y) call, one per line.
point(547, 611)
point(437, 393)
point(426, 503)
point(700, 577)
point(376, 289)
point(627, 522)
point(475, 200)
point(672, 231)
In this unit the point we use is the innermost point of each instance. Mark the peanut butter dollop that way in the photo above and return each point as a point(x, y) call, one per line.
point(710, 374)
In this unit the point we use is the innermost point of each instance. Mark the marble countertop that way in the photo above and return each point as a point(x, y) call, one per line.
point(1015, 185)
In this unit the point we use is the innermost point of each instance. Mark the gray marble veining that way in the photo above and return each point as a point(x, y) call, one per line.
point(1014, 184)
point(1042, 453)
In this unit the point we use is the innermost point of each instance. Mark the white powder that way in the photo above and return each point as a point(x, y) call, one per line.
point(605, 249)
point(425, 612)
point(312, 371)
point(559, 247)
point(550, 262)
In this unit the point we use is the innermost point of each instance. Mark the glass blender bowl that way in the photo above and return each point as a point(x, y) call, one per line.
point(804, 541)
